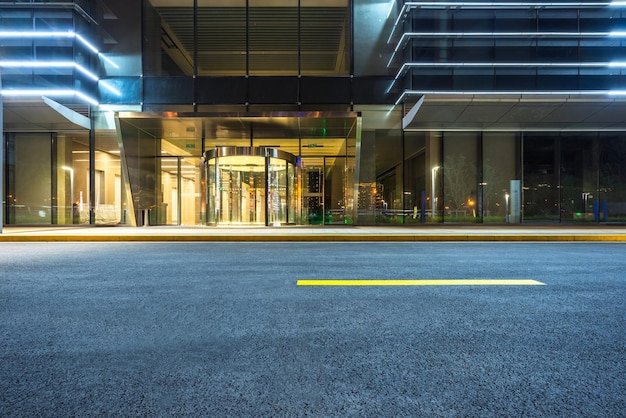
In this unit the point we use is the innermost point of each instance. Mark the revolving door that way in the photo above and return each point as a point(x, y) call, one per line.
point(250, 186)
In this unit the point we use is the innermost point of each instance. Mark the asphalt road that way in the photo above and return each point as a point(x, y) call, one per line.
point(222, 329)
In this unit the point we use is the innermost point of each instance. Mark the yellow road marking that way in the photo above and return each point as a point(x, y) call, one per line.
point(452, 282)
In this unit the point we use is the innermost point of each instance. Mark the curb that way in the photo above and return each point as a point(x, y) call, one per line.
point(321, 238)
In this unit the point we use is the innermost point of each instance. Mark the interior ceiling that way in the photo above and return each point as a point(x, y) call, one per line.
point(41, 115)
point(520, 114)
point(272, 36)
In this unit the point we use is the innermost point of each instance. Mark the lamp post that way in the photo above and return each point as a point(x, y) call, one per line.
point(71, 171)
point(506, 208)
point(432, 196)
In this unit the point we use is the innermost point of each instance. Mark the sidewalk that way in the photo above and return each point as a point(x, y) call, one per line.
point(422, 233)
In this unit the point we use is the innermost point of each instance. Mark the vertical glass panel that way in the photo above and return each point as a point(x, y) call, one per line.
point(169, 38)
point(212, 188)
point(579, 179)
point(277, 192)
point(612, 196)
point(190, 202)
point(140, 151)
point(72, 184)
point(222, 37)
point(336, 184)
point(389, 190)
point(168, 207)
point(370, 36)
point(325, 37)
point(313, 191)
point(293, 195)
point(53, 20)
point(460, 177)
point(415, 204)
point(273, 37)
point(31, 180)
point(389, 196)
point(367, 191)
point(110, 205)
point(500, 161)
point(541, 181)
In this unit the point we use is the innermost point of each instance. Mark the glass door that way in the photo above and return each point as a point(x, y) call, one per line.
point(179, 202)
point(249, 186)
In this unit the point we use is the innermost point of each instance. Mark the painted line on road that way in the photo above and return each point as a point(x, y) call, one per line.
point(449, 282)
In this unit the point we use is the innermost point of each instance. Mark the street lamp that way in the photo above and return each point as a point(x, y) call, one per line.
point(506, 208)
point(71, 171)
point(432, 196)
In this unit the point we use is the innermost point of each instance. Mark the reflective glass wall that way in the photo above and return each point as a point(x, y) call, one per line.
point(47, 179)
point(254, 37)
point(470, 178)
point(499, 46)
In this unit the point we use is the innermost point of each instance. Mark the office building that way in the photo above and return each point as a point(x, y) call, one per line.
point(308, 112)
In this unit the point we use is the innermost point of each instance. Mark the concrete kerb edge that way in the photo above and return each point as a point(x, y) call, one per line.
point(318, 238)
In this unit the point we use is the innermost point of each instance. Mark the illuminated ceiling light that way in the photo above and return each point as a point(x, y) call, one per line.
point(617, 93)
point(47, 92)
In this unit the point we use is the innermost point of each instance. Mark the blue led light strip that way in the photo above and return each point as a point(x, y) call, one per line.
point(47, 92)
point(55, 34)
point(408, 6)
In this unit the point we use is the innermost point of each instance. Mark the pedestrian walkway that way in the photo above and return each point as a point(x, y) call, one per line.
point(423, 233)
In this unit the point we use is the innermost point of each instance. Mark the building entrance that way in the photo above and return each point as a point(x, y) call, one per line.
point(250, 186)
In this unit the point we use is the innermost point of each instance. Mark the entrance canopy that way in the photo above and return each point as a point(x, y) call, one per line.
point(149, 141)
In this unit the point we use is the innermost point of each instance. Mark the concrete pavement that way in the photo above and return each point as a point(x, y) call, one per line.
point(422, 233)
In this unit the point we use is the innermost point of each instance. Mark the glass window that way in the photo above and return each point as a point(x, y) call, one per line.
point(324, 38)
point(29, 180)
point(273, 37)
point(110, 204)
point(578, 178)
point(541, 180)
point(500, 166)
point(612, 181)
point(460, 177)
point(415, 191)
point(222, 37)
point(169, 38)
point(389, 176)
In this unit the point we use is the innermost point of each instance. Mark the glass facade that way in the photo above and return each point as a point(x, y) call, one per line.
point(396, 112)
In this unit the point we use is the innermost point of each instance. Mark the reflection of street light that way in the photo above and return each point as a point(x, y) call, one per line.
point(586, 196)
point(506, 208)
point(433, 199)
point(71, 170)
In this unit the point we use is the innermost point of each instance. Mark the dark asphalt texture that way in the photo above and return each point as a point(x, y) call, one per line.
point(222, 330)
